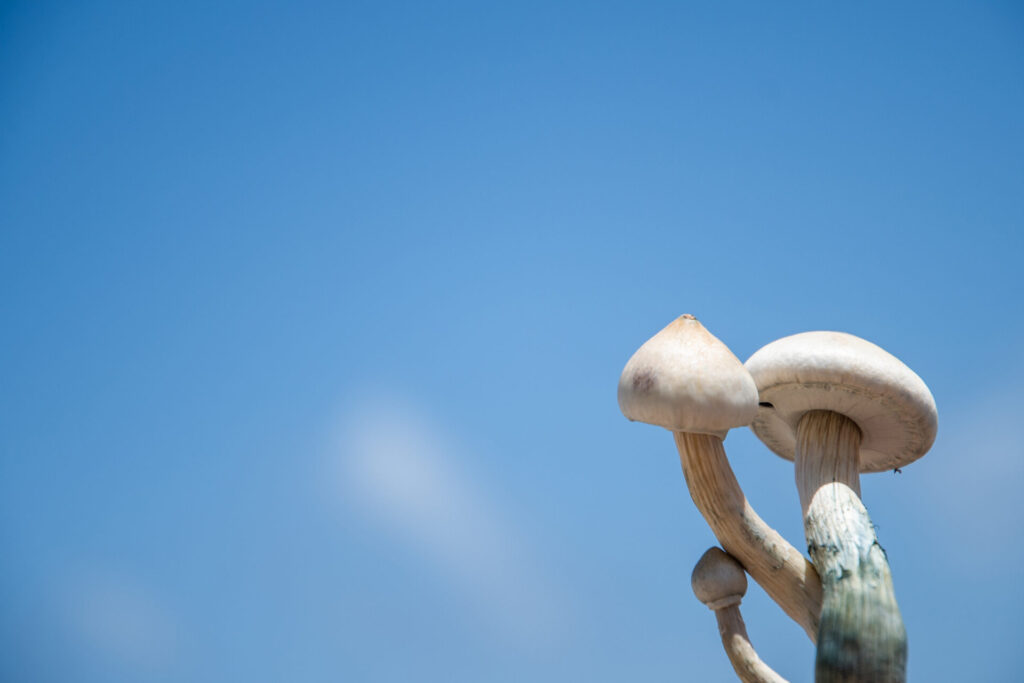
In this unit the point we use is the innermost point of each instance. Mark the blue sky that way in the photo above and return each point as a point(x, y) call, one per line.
point(313, 316)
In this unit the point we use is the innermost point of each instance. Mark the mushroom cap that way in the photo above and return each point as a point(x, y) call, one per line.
point(718, 580)
point(686, 380)
point(836, 371)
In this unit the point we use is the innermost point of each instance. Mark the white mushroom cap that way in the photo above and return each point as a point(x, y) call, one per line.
point(840, 372)
point(718, 580)
point(686, 380)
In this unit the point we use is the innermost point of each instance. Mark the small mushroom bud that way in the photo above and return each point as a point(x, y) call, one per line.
point(719, 582)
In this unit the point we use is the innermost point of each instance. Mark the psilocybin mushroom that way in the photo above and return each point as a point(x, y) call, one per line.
point(839, 405)
point(719, 582)
point(687, 381)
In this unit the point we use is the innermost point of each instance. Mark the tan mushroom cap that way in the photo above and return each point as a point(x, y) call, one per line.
point(718, 580)
point(686, 380)
point(836, 371)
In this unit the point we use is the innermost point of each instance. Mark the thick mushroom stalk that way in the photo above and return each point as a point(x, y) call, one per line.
point(861, 637)
point(718, 581)
point(686, 380)
point(839, 405)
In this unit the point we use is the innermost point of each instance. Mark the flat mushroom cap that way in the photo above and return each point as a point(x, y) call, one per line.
point(840, 372)
point(686, 380)
point(718, 580)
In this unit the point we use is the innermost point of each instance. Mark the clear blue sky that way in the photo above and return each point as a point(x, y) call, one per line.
point(311, 318)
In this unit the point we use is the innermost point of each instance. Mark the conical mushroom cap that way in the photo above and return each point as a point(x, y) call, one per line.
point(686, 380)
point(846, 374)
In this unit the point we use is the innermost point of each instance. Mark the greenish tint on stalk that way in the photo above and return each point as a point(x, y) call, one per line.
point(861, 636)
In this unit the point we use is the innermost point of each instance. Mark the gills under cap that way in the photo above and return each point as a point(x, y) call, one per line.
point(686, 380)
point(836, 371)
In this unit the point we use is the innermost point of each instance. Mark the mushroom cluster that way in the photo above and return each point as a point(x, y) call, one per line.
point(836, 405)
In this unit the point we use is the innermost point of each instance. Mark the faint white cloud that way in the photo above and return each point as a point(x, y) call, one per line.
point(121, 622)
point(398, 471)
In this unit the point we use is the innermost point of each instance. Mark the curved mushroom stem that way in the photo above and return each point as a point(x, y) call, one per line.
point(786, 576)
point(748, 666)
point(861, 637)
point(719, 582)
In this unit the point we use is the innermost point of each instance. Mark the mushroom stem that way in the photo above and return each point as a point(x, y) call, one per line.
point(861, 636)
point(786, 576)
point(748, 666)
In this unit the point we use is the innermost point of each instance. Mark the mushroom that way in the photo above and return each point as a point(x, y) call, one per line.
point(719, 582)
point(839, 405)
point(687, 381)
